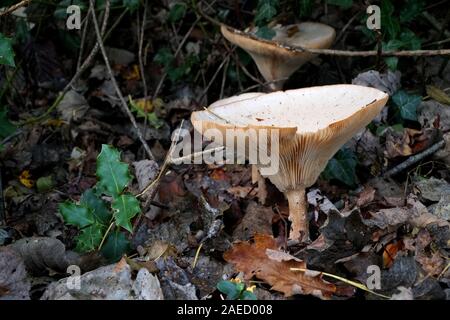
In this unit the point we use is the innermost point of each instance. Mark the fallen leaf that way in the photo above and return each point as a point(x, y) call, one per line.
point(263, 260)
point(257, 219)
point(438, 94)
point(366, 197)
point(24, 179)
point(390, 252)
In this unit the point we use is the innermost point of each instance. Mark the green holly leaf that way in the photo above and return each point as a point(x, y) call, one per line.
point(126, 207)
point(177, 12)
point(407, 104)
point(115, 247)
point(6, 127)
point(76, 215)
point(89, 238)
point(113, 174)
point(6, 51)
point(96, 205)
point(229, 289)
point(265, 33)
point(342, 167)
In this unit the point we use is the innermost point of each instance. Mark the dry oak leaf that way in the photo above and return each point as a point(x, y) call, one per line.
point(263, 260)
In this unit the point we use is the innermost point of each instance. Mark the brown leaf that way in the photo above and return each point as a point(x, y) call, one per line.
point(263, 260)
point(366, 197)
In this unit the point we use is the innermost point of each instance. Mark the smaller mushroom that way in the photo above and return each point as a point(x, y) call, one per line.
point(311, 124)
point(277, 59)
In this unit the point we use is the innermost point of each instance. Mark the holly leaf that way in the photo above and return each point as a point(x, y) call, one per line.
point(6, 51)
point(89, 238)
point(113, 174)
point(407, 104)
point(263, 260)
point(342, 167)
point(125, 208)
point(115, 247)
point(76, 215)
point(96, 205)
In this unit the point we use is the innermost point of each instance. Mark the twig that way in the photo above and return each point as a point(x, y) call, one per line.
point(79, 72)
point(205, 91)
point(141, 62)
point(116, 87)
point(2, 203)
point(14, 7)
point(82, 42)
point(414, 159)
point(105, 235)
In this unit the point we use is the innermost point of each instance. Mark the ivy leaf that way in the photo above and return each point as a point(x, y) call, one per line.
point(342, 167)
point(265, 11)
point(89, 238)
point(247, 295)
point(131, 4)
point(96, 205)
point(265, 33)
point(229, 289)
point(411, 10)
point(76, 215)
point(388, 20)
point(6, 51)
point(126, 207)
point(113, 174)
point(115, 247)
point(6, 127)
point(409, 40)
point(345, 4)
point(177, 12)
point(407, 104)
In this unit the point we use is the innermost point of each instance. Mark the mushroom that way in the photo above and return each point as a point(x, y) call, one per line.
point(276, 59)
point(312, 125)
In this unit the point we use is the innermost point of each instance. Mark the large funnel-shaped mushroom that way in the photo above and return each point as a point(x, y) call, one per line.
point(312, 125)
point(275, 59)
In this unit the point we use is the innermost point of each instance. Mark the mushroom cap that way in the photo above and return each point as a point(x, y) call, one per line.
point(274, 58)
point(312, 125)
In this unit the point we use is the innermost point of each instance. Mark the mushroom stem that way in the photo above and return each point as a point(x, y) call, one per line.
point(298, 215)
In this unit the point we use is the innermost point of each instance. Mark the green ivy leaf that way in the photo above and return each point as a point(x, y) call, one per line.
point(407, 104)
point(389, 22)
point(113, 174)
point(409, 40)
point(131, 4)
point(229, 289)
point(126, 207)
point(164, 57)
point(345, 4)
point(6, 51)
point(177, 12)
point(6, 127)
point(89, 238)
point(265, 11)
point(115, 247)
point(342, 167)
point(247, 295)
point(76, 215)
point(411, 10)
point(96, 205)
point(265, 33)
